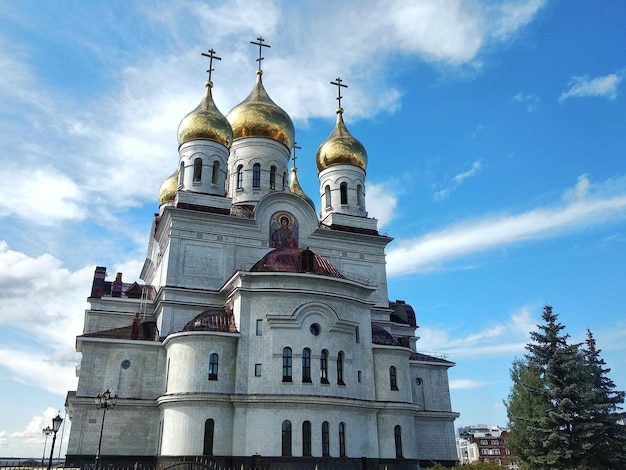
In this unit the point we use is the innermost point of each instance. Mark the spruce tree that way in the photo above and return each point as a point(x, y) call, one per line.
point(608, 442)
point(559, 435)
point(564, 411)
point(524, 406)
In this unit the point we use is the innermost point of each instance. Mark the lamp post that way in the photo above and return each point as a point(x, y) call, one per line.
point(104, 401)
point(56, 424)
point(46, 432)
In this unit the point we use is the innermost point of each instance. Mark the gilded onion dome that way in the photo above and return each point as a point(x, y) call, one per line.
point(259, 116)
point(340, 148)
point(295, 188)
point(167, 191)
point(205, 123)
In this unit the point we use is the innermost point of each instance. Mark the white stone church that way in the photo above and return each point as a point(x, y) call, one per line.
point(262, 334)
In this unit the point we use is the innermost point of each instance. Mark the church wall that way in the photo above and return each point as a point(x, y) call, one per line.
point(184, 426)
point(285, 328)
point(435, 388)
point(102, 367)
point(386, 423)
point(360, 427)
point(130, 429)
point(386, 357)
point(434, 439)
point(188, 362)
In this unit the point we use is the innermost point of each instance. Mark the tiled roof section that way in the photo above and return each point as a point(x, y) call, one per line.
point(427, 358)
point(382, 336)
point(346, 228)
point(296, 260)
point(146, 331)
point(213, 319)
point(199, 208)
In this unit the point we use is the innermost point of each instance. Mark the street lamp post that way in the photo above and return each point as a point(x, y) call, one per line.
point(104, 401)
point(46, 432)
point(56, 424)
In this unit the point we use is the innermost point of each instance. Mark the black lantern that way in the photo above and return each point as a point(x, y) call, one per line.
point(56, 425)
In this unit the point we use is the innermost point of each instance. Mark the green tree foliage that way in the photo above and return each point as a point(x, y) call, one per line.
point(608, 442)
point(562, 404)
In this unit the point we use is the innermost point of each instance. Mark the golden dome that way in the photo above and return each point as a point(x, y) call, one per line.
point(340, 148)
point(205, 122)
point(259, 116)
point(295, 188)
point(167, 191)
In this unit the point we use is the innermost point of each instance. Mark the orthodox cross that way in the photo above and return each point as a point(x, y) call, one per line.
point(261, 46)
point(211, 55)
point(339, 86)
point(295, 146)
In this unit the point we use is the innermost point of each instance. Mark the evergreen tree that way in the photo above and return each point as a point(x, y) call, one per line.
point(561, 404)
point(608, 442)
point(524, 406)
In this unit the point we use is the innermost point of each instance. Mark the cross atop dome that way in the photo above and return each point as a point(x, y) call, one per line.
point(261, 46)
point(211, 55)
point(339, 85)
point(294, 147)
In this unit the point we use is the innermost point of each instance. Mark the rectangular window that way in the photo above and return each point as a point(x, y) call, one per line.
point(259, 327)
point(258, 370)
point(358, 376)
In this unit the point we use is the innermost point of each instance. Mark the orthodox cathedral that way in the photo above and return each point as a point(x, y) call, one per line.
point(262, 335)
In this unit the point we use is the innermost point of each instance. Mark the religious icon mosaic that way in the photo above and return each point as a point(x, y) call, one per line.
point(283, 230)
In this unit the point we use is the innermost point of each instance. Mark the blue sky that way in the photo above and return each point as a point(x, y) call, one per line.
point(496, 139)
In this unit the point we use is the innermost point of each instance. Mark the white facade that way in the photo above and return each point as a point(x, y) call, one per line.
point(260, 331)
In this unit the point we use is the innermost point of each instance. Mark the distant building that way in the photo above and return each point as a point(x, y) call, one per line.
point(263, 335)
point(484, 443)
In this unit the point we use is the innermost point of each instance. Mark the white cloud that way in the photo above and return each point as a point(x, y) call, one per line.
point(381, 203)
point(431, 251)
point(529, 100)
point(83, 148)
point(509, 337)
point(458, 179)
point(580, 86)
point(467, 384)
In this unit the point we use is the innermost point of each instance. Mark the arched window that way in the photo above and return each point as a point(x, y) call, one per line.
point(397, 435)
point(256, 175)
point(327, 197)
point(324, 367)
point(325, 439)
point(306, 365)
point(343, 189)
point(181, 174)
point(240, 177)
point(284, 179)
point(340, 368)
point(287, 364)
point(213, 363)
point(209, 430)
point(360, 196)
point(197, 170)
point(272, 177)
point(342, 439)
point(306, 439)
point(215, 175)
point(286, 440)
point(393, 378)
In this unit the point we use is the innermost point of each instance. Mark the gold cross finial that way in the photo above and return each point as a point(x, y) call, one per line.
point(295, 146)
point(339, 87)
point(211, 55)
point(261, 46)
